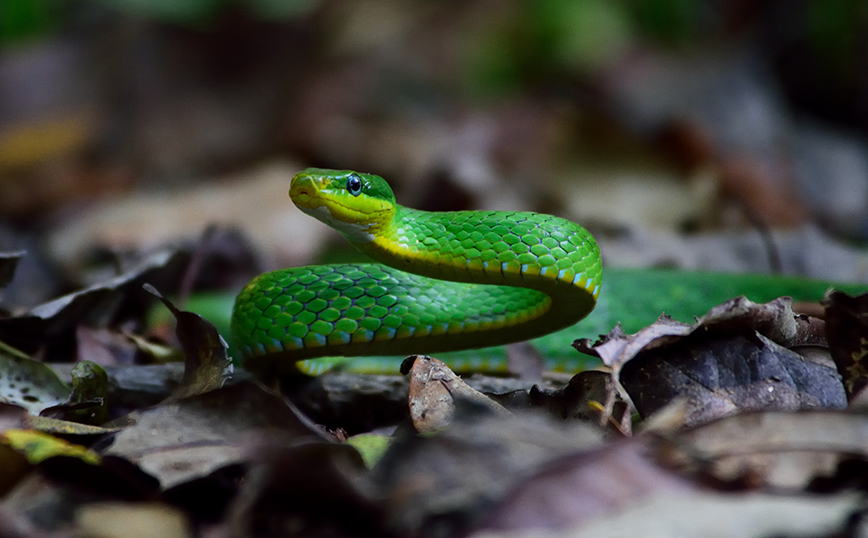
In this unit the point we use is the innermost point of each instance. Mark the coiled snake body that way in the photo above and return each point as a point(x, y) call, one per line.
point(444, 281)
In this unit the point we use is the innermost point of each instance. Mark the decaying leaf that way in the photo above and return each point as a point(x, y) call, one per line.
point(49, 498)
point(8, 264)
point(206, 364)
point(191, 437)
point(448, 481)
point(739, 356)
point(38, 446)
point(30, 384)
point(609, 490)
point(105, 346)
point(592, 395)
point(577, 488)
point(775, 320)
point(847, 332)
point(719, 375)
point(310, 487)
point(776, 450)
point(714, 514)
point(95, 305)
point(36, 437)
point(434, 389)
point(65, 427)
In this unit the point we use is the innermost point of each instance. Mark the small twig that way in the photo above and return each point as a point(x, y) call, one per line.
point(774, 254)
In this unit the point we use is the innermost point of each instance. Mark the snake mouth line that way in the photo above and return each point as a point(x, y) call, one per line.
point(314, 201)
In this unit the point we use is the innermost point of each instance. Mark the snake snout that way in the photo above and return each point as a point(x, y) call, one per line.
point(303, 187)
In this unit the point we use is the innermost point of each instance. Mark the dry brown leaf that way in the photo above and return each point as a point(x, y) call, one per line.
point(577, 488)
point(592, 395)
point(739, 356)
point(312, 488)
point(206, 362)
point(434, 389)
point(189, 438)
point(777, 450)
point(709, 514)
point(96, 303)
point(846, 327)
point(449, 480)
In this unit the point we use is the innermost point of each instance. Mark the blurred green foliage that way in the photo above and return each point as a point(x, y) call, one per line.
point(537, 40)
point(835, 29)
point(23, 20)
point(666, 21)
point(520, 45)
point(542, 40)
point(201, 12)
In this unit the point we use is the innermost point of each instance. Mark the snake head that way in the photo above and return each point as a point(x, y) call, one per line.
point(356, 205)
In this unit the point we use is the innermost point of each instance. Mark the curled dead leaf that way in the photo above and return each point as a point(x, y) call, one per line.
point(776, 451)
point(736, 357)
point(846, 330)
point(434, 388)
point(206, 362)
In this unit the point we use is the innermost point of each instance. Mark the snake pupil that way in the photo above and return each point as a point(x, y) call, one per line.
point(354, 184)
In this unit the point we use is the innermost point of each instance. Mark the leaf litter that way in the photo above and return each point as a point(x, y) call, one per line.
point(707, 400)
point(346, 111)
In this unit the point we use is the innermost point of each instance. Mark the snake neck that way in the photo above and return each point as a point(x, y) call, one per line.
point(493, 247)
point(432, 244)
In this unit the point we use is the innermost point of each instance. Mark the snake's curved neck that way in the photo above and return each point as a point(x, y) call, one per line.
point(409, 241)
point(494, 248)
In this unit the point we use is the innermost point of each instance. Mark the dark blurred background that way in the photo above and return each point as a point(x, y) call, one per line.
point(718, 134)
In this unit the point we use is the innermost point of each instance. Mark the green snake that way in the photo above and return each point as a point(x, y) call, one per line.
point(445, 280)
point(463, 280)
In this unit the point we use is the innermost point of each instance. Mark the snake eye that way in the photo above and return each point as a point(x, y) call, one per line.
point(354, 184)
